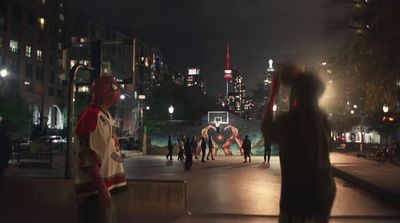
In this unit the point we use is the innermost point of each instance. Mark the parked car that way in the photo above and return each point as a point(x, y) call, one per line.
point(50, 139)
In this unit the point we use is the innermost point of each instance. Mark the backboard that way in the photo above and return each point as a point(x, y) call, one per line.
point(218, 117)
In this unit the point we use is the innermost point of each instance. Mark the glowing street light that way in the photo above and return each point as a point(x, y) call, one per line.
point(355, 106)
point(171, 111)
point(385, 108)
point(122, 97)
point(147, 107)
point(3, 73)
point(352, 112)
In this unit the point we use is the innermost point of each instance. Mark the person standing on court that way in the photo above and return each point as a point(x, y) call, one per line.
point(170, 148)
point(203, 149)
point(246, 146)
point(193, 144)
point(307, 185)
point(188, 153)
point(210, 148)
point(181, 146)
point(100, 172)
point(267, 150)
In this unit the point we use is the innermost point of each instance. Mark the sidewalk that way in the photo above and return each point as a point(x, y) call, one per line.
point(379, 178)
point(226, 190)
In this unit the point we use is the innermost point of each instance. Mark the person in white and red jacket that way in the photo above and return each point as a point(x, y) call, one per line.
point(100, 174)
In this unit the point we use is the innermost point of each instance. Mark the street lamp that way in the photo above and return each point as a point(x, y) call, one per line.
point(71, 97)
point(135, 114)
point(141, 97)
point(3, 72)
point(385, 108)
point(171, 111)
point(362, 117)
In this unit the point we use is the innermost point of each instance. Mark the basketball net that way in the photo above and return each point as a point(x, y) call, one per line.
point(217, 125)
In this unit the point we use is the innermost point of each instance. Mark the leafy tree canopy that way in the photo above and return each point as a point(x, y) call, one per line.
point(15, 112)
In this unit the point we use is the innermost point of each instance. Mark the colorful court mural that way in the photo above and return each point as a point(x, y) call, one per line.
point(227, 141)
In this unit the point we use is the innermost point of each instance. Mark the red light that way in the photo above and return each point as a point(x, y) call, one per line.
point(228, 76)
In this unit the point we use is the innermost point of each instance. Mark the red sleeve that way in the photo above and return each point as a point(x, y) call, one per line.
point(87, 121)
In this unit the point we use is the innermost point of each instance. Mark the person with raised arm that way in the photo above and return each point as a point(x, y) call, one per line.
point(307, 185)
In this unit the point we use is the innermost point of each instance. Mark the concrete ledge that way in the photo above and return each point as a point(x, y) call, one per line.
point(380, 192)
point(47, 199)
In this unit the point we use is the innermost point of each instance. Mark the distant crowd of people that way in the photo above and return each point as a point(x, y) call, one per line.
point(188, 147)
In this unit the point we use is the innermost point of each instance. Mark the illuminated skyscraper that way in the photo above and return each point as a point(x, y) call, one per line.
point(228, 72)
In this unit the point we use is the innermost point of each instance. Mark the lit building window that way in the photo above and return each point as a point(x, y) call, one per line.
point(59, 30)
point(72, 63)
point(60, 46)
point(28, 51)
point(83, 88)
point(61, 5)
point(39, 54)
point(43, 2)
point(42, 22)
point(61, 17)
point(13, 46)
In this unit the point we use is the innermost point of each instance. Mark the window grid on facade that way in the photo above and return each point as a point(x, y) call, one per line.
point(13, 46)
point(28, 51)
point(39, 55)
point(42, 22)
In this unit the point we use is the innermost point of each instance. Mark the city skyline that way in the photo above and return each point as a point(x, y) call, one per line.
point(196, 33)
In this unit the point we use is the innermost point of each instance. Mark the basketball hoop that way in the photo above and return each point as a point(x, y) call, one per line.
point(217, 118)
point(217, 121)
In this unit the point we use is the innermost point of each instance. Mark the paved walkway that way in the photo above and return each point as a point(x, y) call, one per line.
point(226, 186)
point(380, 178)
point(226, 190)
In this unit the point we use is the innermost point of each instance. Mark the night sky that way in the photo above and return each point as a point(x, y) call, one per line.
point(194, 32)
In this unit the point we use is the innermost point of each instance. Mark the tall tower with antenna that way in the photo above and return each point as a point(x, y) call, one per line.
point(228, 72)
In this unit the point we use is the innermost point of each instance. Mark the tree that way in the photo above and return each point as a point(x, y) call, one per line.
point(368, 61)
point(369, 58)
point(15, 112)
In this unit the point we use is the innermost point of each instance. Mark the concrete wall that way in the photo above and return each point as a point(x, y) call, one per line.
point(53, 200)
